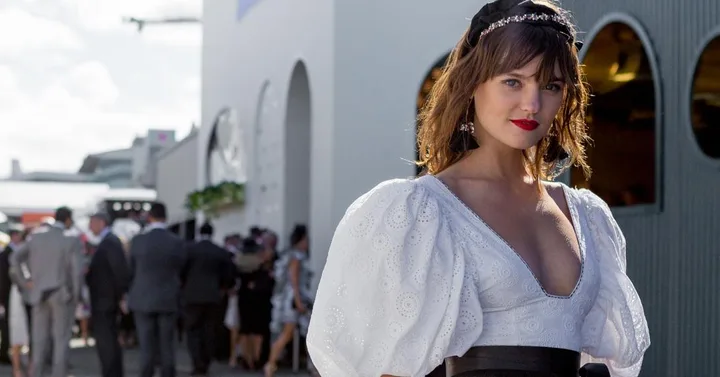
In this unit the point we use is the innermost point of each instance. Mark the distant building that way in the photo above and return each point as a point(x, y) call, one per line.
point(121, 168)
point(174, 181)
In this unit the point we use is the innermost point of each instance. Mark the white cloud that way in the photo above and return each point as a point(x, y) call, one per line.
point(173, 35)
point(8, 88)
point(92, 82)
point(23, 32)
point(56, 128)
point(59, 99)
point(103, 15)
point(191, 85)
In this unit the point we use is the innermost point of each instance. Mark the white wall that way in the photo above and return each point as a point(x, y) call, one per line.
point(229, 222)
point(365, 61)
point(175, 180)
point(383, 51)
point(239, 59)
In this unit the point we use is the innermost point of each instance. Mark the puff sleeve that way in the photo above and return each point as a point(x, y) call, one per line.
point(615, 331)
point(388, 298)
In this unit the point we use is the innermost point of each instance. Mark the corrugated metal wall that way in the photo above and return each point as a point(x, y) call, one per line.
point(673, 256)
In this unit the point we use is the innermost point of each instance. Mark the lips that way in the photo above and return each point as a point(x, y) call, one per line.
point(526, 124)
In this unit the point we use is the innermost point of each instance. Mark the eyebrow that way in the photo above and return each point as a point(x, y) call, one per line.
point(519, 76)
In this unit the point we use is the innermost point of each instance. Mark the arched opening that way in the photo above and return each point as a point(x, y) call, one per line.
point(427, 84)
point(265, 194)
point(705, 109)
point(297, 150)
point(622, 117)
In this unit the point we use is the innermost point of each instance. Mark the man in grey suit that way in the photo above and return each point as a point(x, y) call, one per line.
point(157, 257)
point(55, 263)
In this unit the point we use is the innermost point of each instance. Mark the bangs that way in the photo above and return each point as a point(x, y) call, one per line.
point(515, 45)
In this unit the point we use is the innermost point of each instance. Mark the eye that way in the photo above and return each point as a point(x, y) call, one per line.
point(553, 87)
point(513, 83)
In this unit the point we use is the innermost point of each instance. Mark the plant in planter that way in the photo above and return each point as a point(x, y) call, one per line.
point(212, 199)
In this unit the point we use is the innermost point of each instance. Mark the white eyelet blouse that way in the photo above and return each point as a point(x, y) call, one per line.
point(414, 276)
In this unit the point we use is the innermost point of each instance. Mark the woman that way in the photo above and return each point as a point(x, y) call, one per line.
point(253, 284)
point(19, 334)
point(18, 321)
point(292, 301)
point(232, 317)
point(483, 263)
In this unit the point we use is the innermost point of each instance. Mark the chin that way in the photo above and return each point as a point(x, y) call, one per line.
point(522, 143)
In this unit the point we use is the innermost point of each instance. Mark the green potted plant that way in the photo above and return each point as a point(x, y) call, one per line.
point(212, 199)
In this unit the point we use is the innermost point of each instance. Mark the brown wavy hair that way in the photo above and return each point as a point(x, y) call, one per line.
point(503, 50)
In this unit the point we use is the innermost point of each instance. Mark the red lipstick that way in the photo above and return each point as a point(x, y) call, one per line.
point(526, 124)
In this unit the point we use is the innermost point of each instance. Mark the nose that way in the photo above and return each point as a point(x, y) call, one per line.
point(531, 102)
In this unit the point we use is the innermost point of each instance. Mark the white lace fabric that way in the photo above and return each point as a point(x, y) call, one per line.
point(413, 277)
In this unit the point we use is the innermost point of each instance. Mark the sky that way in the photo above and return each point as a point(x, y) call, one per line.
point(75, 79)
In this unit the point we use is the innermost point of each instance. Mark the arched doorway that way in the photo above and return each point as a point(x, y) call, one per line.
point(430, 78)
point(298, 118)
point(705, 106)
point(266, 194)
point(622, 118)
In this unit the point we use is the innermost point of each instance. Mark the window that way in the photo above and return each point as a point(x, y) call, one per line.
point(705, 110)
point(621, 118)
point(427, 84)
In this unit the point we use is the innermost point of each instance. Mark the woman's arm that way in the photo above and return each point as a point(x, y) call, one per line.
point(295, 282)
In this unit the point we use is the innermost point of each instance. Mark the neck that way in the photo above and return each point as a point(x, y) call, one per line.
point(496, 163)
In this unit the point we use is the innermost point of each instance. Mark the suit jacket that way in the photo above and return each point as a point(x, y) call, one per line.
point(55, 263)
point(5, 282)
point(208, 273)
point(157, 258)
point(108, 275)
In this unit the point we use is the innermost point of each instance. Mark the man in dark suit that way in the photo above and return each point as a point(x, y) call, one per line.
point(157, 258)
point(208, 274)
point(107, 279)
point(5, 284)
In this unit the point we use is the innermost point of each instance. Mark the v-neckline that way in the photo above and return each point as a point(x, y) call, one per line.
point(574, 219)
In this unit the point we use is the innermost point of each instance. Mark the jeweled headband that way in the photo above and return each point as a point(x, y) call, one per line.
point(499, 13)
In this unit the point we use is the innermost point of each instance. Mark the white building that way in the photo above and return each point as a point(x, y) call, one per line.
point(120, 168)
point(324, 93)
point(176, 177)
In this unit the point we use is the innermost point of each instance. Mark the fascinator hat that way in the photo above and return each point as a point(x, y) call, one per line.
point(500, 13)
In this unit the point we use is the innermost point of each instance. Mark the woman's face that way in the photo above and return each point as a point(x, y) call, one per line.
point(303, 244)
point(515, 109)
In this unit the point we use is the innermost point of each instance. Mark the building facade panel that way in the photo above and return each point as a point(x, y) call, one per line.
point(175, 180)
point(672, 255)
point(245, 51)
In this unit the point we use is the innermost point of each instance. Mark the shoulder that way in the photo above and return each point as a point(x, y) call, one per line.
point(113, 240)
point(396, 216)
point(596, 209)
point(408, 199)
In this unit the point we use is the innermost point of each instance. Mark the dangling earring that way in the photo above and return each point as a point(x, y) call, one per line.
point(556, 154)
point(463, 138)
point(554, 151)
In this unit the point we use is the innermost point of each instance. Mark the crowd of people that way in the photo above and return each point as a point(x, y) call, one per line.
point(242, 302)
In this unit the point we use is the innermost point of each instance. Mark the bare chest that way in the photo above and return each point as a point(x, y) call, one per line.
point(542, 236)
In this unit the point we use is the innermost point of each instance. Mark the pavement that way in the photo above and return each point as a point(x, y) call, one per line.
point(84, 363)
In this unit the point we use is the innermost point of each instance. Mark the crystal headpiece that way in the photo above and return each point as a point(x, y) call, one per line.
point(499, 13)
point(526, 17)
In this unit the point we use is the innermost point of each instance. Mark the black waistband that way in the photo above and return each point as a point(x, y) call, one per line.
point(550, 361)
